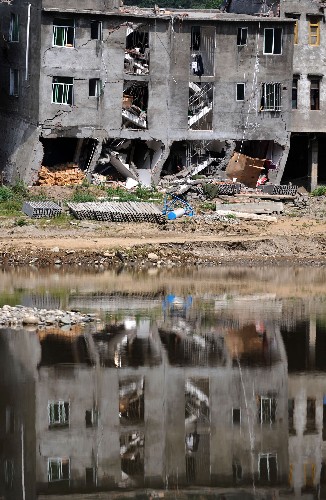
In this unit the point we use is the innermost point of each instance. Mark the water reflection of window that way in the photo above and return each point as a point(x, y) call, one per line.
point(132, 454)
point(90, 476)
point(58, 469)
point(131, 400)
point(311, 415)
point(58, 412)
point(236, 471)
point(309, 472)
point(236, 416)
point(91, 417)
point(266, 410)
point(267, 467)
point(291, 416)
point(197, 400)
point(9, 473)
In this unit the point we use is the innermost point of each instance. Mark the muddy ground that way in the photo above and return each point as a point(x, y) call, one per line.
point(298, 237)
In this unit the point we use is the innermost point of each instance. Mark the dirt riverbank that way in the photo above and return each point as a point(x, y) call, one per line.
point(296, 238)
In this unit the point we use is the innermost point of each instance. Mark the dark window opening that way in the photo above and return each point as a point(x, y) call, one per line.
point(266, 410)
point(96, 30)
point(268, 468)
point(273, 41)
point(311, 415)
point(195, 38)
point(62, 90)
point(91, 418)
point(314, 94)
point(63, 32)
point(295, 92)
point(236, 472)
point(236, 416)
point(95, 87)
point(240, 91)
point(90, 476)
point(14, 82)
point(242, 36)
point(14, 28)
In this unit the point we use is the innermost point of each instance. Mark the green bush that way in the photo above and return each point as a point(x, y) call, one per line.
point(6, 194)
point(82, 195)
point(319, 191)
point(21, 222)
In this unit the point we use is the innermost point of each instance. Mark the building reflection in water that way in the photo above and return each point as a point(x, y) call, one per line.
point(181, 401)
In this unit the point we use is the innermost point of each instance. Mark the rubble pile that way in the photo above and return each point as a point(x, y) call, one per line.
point(20, 315)
point(61, 175)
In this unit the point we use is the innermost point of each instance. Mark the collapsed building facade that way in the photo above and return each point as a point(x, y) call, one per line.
point(144, 93)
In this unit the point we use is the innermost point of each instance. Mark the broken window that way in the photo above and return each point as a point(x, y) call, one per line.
point(273, 41)
point(314, 94)
point(291, 416)
point(242, 36)
point(14, 28)
point(63, 32)
point(236, 416)
point(241, 91)
point(91, 417)
point(58, 469)
point(134, 105)
point(267, 467)
point(62, 90)
point(137, 50)
point(132, 453)
point(314, 31)
point(14, 82)
point(266, 410)
point(295, 92)
point(58, 413)
point(270, 97)
point(90, 476)
point(96, 30)
point(200, 106)
point(202, 50)
point(131, 400)
point(311, 415)
point(95, 87)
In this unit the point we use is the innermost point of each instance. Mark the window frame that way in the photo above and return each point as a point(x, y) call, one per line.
point(66, 28)
point(65, 85)
point(317, 34)
point(277, 97)
point(295, 88)
point(271, 417)
point(14, 82)
point(98, 87)
point(64, 419)
point(240, 36)
point(14, 27)
point(267, 456)
point(313, 80)
point(238, 85)
point(59, 463)
point(273, 53)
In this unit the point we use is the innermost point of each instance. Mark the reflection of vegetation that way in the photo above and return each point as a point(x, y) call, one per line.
point(10, 299)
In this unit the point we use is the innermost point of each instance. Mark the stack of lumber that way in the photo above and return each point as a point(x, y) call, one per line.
point(60, 175)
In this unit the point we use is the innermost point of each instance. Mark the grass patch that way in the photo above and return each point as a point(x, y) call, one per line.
point(21, 222)
point(83, 195)
point(139, 194)
point(319, 191)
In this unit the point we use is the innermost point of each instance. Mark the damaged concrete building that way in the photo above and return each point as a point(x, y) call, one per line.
point(142, 93)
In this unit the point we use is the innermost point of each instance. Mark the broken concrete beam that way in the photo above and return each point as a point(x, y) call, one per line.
point(264, 207)
point(243, 215)
point(262, 196)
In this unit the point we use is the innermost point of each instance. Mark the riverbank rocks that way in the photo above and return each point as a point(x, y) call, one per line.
point(31, 316)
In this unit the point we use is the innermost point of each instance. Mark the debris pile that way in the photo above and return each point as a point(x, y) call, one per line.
point(61, 175)
point(20, 315)
point(131, 211)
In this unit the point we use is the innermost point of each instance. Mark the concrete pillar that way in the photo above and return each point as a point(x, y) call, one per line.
point(313, 164)
point(78, 150)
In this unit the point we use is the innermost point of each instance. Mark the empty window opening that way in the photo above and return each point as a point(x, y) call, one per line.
point(58, 469)
point(266, 410)
point(314, 31)
point(132, 455)
point(202, 50)
point(14, 82)
point(62, 90)
point(267, 467)
point(134, 105)
point(14, 28)
point(96, 30)
point(131, 400)
point(241, 87)
point(236, 416)
point(58, 413)
point(315, 94)
point(291, 416)
point(311, 415)
point(242, 36)
point(270, 97)
point(95, 87)
point(295, 92)
point(137, 50)
point(236, 471)
point(63, 33)
point(296, 26)
point(273, 41)
point(91, 417)
point(200, 106)
point(90, 476)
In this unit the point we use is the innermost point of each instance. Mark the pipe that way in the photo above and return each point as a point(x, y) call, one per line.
point(27, 38)
point(178, 212)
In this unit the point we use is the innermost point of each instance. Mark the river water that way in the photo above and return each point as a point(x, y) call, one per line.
point(193, 384)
